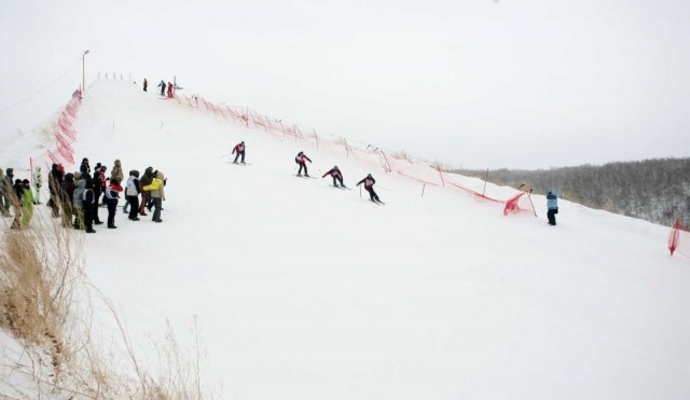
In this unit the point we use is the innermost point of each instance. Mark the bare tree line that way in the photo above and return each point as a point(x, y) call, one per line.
point(656, 190)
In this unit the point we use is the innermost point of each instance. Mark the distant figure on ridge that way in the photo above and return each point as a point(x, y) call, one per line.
point(146, 85)
point(162, 86)
point(336, 175)
point(552, 205)
point(301, 159)
point(239, 149)
point(170, 89)
point(369, 182)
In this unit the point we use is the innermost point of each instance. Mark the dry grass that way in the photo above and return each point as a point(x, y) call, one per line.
point(46, 305)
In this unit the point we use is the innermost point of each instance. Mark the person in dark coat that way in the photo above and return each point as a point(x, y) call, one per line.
point(369, 182)
point(336, 175)
point(301, 160)
point(66, 194)
point(146, 85)
point(162, 86)
point(239, 149)
point(88, 201)
point(55, 179)
point(85, 169)
point(145, 180)
point(552, 206)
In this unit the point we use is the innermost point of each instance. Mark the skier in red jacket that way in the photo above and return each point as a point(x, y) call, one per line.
point(336, 175)
point(369, 186)
point(170, 89)
point(302, 159)
point(239, 149)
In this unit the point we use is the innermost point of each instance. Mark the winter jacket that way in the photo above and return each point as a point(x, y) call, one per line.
point(552, 201)
point(368, 182)
point(85, 170)
point(239, 148)
point(80, 185)
point(334, 173)
point(147, 179)
point(157, 187)
point(117, 173)
point(301, 158)
point(88, 198)
point(27, 198)
point(67, 189)
point(112, 192)
point(132, 186)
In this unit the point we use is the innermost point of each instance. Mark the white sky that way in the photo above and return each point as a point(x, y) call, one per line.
point(534, 83)
point(306, 291)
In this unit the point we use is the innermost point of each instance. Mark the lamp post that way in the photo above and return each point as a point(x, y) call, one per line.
point(83, 75)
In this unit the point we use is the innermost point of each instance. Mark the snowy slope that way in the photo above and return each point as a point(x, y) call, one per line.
point(305, 291)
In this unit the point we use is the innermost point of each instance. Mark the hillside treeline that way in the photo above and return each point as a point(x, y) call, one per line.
point(656, 190)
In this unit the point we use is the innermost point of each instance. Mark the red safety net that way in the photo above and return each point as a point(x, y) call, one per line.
point(679, 239)
point(522, 202)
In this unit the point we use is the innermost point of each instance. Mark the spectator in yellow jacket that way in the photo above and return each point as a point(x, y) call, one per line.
point(157, 192)
point(27, 203)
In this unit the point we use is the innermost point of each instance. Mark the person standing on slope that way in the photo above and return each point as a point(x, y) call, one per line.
point(156, 188)
point(146, 85)
point(369, 182)
point(27, 203)
point(552, 205)
point(116, 172)
point(132, 194)
point(170, 90)
point(89, 204)
point(301, 159)
point(336, 175)
point(112, 194)
point(162, 86)
point(239, 149)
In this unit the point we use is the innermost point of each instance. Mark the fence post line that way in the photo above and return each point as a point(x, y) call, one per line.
point(347, 152)
point(485, 178)
point(438, 168)
point(423, 187)
point(316, 138)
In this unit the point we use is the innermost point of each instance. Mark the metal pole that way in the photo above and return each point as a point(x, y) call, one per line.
point(83, 71)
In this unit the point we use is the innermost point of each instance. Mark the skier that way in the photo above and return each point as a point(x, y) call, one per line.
point(146, 85)
point(336, 175)
point(301, 159)
point(239, 149)
point(369, 186)
point(552, 205)
point(112, 194)
point(162, 86)
point(170, 90)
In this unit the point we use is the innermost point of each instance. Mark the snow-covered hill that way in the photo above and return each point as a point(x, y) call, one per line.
point(305, 291)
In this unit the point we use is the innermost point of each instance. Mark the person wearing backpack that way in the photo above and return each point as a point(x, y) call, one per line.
point(301, 160)
point(369, 186)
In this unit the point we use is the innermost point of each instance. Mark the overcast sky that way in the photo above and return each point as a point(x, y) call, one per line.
point(477, 84)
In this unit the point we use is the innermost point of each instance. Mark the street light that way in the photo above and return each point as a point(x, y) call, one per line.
point(83, 75)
